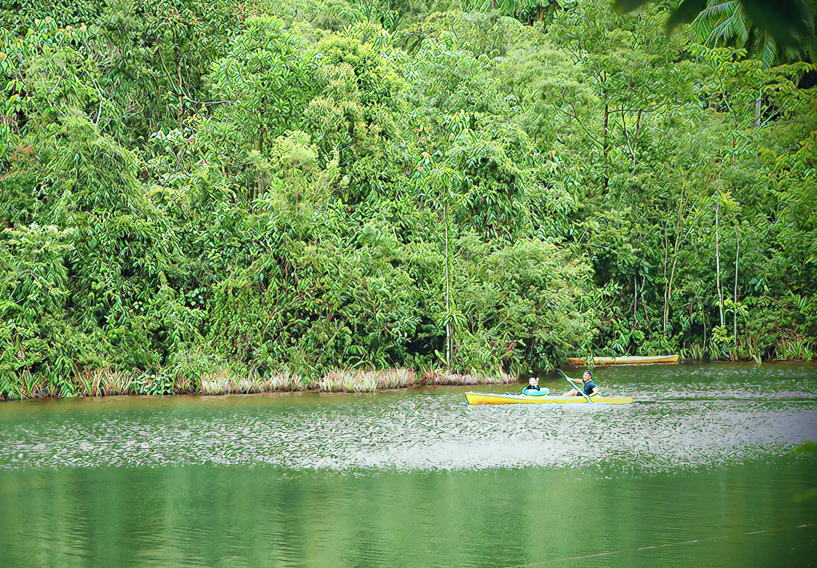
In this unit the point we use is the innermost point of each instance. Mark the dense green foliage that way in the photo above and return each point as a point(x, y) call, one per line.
point(190, 186)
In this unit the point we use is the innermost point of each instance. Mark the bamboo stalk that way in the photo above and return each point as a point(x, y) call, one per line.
point(678, 238)
point(735, 309)
point(718, 257)
point(447, 292)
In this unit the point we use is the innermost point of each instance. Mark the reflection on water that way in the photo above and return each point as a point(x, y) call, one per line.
point(201, 516)
point(419, 478)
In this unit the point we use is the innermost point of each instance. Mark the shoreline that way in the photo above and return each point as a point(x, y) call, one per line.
point(106, 382)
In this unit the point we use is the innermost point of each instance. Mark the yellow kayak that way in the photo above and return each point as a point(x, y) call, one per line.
point(627, 360)
point(488, 398)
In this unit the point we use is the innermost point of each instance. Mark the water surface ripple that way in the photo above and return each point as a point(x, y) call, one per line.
point(685, 416)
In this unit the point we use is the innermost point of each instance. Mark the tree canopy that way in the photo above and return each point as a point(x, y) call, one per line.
point(191, 186)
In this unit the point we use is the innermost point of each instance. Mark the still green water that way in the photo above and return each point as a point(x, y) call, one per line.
point(687, 476)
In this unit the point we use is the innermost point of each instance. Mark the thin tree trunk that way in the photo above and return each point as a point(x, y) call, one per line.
point(664, 262)
point(447, 293)
point(179, 75)
point(637, 130)
point(669, 290)
point(678, 238)
point(718, 258)
point(643, 303)
point(735, 307)
point(606, 139)
point(635, 312)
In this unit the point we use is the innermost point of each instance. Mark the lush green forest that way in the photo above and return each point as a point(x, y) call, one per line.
point(194, 189)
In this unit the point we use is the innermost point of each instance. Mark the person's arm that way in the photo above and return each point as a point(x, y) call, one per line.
point(595, 391)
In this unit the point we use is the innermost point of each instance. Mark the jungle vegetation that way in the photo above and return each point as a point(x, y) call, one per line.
point(193, 189)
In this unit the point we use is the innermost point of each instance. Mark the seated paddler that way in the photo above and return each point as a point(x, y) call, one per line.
point(588, 386)
point(533, 385)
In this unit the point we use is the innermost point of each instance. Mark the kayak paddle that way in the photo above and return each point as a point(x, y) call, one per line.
point(572, 384)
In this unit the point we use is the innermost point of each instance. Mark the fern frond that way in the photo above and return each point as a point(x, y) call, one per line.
point(730, 31)
point(767, 51)
point(720, 10)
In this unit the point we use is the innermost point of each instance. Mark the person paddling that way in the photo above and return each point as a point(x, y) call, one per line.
point(589, 387)
point(533, 385)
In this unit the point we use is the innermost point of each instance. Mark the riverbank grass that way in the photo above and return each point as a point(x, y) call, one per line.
point(108, 382)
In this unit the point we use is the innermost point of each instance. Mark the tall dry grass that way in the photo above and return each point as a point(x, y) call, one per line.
point(446, 377)
point(107, 382)
point(104, 382)
point(284, 381)
point(348, 380)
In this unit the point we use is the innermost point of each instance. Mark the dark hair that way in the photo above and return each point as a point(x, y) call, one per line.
point(589, 372)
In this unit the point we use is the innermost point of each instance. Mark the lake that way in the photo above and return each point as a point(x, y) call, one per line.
point(699, 471)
